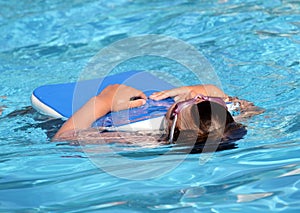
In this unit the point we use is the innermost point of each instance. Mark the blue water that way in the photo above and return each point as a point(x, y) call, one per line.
point(254, 47)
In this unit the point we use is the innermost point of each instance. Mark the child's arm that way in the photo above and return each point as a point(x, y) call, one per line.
point(112, 98)
point(187, 92)
point(247, 108)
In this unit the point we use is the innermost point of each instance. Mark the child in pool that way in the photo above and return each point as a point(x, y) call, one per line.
point(200, 116)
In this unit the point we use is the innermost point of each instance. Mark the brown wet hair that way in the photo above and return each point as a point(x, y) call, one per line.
point(206, 124)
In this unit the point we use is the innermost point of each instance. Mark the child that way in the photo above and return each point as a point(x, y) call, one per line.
point(199, 112)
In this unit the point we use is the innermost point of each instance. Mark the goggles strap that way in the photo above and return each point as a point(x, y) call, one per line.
point(171, 135)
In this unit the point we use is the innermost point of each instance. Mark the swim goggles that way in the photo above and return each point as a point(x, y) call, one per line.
point(183, 104)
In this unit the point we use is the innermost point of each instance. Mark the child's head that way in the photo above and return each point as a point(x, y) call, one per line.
point(198, 120)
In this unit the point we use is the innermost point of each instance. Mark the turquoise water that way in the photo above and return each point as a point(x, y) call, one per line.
point(254, 47)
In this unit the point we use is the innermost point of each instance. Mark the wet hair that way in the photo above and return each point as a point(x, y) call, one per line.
point(207, 126)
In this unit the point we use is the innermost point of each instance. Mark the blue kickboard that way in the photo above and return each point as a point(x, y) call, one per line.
point(65, 99)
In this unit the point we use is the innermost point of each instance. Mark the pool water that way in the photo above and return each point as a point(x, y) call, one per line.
point(253, 46)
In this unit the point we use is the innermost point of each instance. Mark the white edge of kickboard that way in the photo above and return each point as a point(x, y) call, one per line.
point(43, 108)
point(150, 124)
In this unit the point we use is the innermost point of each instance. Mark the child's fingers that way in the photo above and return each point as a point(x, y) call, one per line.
point(142, 95)
point(137, 103)
point(160, 95)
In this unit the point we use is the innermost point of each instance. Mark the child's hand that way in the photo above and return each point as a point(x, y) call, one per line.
point(180, 93)
point(119, 97)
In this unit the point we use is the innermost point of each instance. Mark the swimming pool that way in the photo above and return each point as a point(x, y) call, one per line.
point(254, 47)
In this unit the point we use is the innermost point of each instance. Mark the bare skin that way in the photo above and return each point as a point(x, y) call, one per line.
point(247, 109)
point(117, 97)
point(113, 98)
point(187, 92)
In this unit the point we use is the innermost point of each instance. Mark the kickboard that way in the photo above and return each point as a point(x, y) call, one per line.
point(62, 100)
